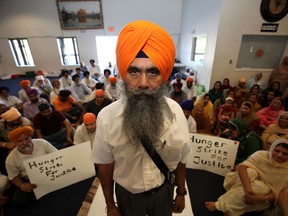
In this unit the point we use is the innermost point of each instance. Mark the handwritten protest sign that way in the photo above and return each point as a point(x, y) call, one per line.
point(60, 169)
point(211, 153)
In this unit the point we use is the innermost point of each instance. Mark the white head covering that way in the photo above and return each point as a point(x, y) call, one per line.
point(274, 144)
point(39, 77)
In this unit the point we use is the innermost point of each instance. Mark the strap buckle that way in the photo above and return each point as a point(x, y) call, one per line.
point(171, 177)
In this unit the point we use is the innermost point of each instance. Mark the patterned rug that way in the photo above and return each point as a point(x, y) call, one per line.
point(84, 210)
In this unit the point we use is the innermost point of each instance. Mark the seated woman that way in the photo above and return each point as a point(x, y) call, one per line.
point(279, 130)
point(204, 100)
point(275, 86)
point(253, 99)
point(222, 100)
point(249, 141)
point(227, 111)
point(226, 84)
point(216, 92)
point(238, 98)
point(255, 89)
point(268, 115)
point(224, 114)
point(257, 183)
point(202, 119)
point(248, 116)
point(265, 100)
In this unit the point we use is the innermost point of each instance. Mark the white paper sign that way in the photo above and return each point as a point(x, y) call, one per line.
point(212, 153)
point(60, 169)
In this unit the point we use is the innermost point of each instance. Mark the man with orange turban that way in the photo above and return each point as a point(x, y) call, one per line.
point(142, 119)
point(25, 84)
point(190, 89)
point(97, 104)
point(26, 148)
point(114, 88)
point(86, 131)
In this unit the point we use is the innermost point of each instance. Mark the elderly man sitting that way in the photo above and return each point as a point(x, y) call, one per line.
point(26, 148)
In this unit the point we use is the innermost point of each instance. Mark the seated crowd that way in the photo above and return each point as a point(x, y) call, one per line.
point(257, 117)
point(64, 113)
point(47, 116)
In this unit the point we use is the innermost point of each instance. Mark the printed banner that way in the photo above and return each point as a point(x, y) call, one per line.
point(212, 153)
point(60, 169)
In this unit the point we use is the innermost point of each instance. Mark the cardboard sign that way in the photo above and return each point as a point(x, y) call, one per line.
point(60, 169)
point(212, 153)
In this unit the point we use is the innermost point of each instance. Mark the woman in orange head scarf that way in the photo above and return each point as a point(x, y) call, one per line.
point(150, 38)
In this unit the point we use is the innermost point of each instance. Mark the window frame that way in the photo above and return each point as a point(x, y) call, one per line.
point(63, 55)
point(195, 45)
point(23, 54)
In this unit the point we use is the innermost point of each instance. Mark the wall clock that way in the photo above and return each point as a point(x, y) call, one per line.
point(273, 10)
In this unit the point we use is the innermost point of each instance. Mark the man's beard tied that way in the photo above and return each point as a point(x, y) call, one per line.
point(143, 115)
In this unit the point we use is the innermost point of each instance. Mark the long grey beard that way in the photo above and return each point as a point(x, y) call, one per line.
point(26, 149)
point(143, 117)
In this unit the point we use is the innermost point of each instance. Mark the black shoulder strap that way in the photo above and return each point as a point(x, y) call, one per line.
point(170, 176)
point(44, 90)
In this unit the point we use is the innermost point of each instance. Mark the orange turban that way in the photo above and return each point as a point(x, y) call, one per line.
point(152, 39)
point(14, 135)
point(24, 82)
point(189, 80)
point(39, 72)
point(112, 79)
point(89, 118)
point(99, 93)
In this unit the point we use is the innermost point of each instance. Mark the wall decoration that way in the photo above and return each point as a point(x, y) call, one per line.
point(80, 14)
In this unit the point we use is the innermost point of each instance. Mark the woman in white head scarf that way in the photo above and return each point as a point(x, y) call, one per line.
point(258, 183)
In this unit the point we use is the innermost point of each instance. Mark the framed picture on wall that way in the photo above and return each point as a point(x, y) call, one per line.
point(80, 14)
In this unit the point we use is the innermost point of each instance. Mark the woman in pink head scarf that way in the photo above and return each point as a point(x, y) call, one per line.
point(268, 115)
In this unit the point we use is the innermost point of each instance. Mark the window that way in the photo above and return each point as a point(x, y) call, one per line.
point(68, 50)
point(21, 52)
point(106, 46)
point(198, 49)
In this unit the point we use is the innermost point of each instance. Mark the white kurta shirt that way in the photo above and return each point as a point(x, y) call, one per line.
point(134, 169)
point(14, 161)
point(81, 135)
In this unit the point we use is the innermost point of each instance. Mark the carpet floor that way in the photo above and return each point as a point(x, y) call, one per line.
point(64, 202)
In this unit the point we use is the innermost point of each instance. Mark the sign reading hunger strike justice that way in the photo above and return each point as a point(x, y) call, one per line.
point(211, 153)
point(60, 169)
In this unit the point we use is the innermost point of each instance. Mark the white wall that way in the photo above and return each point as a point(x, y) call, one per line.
point(238, 18)
point(38, 21)
point(200, 17)
point(224, 22)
